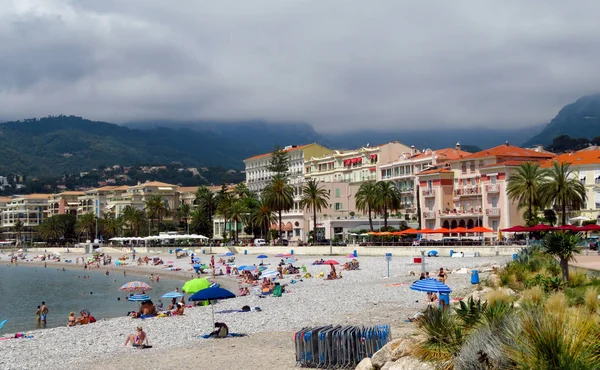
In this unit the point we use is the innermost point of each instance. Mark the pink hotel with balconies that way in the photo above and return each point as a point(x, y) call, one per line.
point(471, 190)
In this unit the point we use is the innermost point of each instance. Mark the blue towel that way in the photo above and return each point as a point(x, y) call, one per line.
point(230, 335)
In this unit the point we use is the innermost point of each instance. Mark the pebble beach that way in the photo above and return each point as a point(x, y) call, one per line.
point(362, 297)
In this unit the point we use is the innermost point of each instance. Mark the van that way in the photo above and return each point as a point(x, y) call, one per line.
point(260, 242)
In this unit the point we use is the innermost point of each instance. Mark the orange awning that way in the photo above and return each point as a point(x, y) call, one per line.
point(410, 231)
point(480, 229)
point(441, 230)
point(460, 230)
point(425, 231)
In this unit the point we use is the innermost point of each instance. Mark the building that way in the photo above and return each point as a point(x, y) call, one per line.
point(66, 202)
point(403, 170)
point(471, 191)
point(585, 164)
point(29, 209)
point(258, 175)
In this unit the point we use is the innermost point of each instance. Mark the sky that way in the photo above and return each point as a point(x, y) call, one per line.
point(336, 64)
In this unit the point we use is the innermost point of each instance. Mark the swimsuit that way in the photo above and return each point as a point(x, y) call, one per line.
point(43, 317)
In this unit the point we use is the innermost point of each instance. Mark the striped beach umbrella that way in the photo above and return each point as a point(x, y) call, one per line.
point(138, 298)
point(135, 286)
point(173, 295)
point(430, 286)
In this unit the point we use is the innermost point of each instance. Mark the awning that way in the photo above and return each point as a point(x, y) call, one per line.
point(372, 169)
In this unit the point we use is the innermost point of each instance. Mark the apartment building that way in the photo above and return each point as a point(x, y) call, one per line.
point(404, 170)
point(258, 175)
point(29, 209)
point(585, 164)
point(471, 191)
point(66, 202)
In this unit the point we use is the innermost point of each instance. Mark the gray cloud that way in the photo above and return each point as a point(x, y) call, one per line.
point(336, 64)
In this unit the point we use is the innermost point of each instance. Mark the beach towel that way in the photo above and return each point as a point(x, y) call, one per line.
point(230, 335)
point(277, 291)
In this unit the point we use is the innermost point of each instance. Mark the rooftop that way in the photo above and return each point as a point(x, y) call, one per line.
point(507, 150)
point(299, 147)
point(504, 164)
point(582, 157)
point(445, 154)
point(434, 171)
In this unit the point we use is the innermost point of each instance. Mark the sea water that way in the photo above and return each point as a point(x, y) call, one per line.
point(23, 288)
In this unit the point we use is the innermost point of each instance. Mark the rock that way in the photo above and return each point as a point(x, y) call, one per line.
point(480, 294)
point(365, 364)
point(402, 348)
point(388, 365)
point(382, 356)
point(410, 363)
point(486, 269)
point(494, 280)
point(462, 270)
point(508, 291)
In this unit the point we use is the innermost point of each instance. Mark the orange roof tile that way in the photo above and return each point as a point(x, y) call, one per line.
point(5, 199)
point(286, 151)
point(436, 170)
point(507, 150)
point(580, 158)
point(445, 154)
point(37, 196)
point(155, 183)
point(71, 193)
point(104, 188)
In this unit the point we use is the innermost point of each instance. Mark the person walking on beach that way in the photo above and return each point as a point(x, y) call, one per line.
point(157, 278)
point(44, 314)
point(38, 317)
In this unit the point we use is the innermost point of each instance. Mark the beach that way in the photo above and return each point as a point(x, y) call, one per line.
point(361, 297)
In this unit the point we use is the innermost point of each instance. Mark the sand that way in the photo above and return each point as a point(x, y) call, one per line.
point(363, 297)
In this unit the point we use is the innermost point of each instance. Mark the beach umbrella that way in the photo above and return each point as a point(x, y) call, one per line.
point(228, 254)
point(430, 286)
point(480, 229)
point(173, 295)
point(138, 298)
point(212, 294)
point(331, 262)
point(135, 286)
point(351, 255)
point(195, 285)
point(262, 256)
point(196, 259)
point(515, 229)
point(247, 268)
point(567, 228)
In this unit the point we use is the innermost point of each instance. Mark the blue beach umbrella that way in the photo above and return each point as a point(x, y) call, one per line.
point(247, 268)
point(196, 259)
point(262, 256)
point(430, 286)
point(173, 295)
point(138, 298)
point(212, 294)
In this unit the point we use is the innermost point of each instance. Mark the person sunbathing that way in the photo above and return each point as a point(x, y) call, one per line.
point(221, 330)
point(71, 319)
point(179, 310)
point(137, 340)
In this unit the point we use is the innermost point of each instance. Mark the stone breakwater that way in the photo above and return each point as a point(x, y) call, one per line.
point(362, 297)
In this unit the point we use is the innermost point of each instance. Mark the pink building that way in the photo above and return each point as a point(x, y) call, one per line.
point(471, 191)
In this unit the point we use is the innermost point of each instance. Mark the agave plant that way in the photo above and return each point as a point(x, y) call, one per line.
point(470, 312)
point(443, 337)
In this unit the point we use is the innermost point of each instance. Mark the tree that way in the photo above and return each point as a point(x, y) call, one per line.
point(224, 201)
point(199, 223)
point(279, 196)
point(135, 219)
point(388, 198)
point(524, 188)
point(86, 224)
point(58, 227)
point(366, 200)
point(564, 246)
point(279, 163)
point(207, 203)
point(550, 217)
point(315, 198)
point(183, 214)
point(263, 217)
point(111, 226)
point(563, 188)
point(156, 208)
point(241, 191)
point(18, 228)
point(237, 212)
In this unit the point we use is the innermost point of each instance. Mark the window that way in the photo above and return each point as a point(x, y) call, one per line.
point(337, 192)
point(495, 225)
point(338, 206)
point(429, 184)
point(494, 202)
point(493, 179)
point(597, 200)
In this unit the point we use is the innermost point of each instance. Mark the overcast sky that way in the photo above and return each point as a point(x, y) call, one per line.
point(332, 63)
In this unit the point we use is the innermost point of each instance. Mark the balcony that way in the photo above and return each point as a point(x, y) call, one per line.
point(429, 215)
point(493, 188)
point(467, 191)
point(428, 193)
point(407, 190)
point(492, 212)
point(459, 213)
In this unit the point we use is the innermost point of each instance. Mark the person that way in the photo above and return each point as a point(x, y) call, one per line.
point(157, 278)
point(422, 277)
point(416, 317)
point(38, 315)
point(427, 275)
point(107, 273)
point(442, 275)
point(71, 319)
point(431, 297)
point(138, 339)
point(160, 305)
point(44, 314)
point(179, 310)
point(83, 319)
point(221, 330)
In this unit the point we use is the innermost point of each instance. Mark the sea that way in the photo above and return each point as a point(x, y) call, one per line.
point(23, 288)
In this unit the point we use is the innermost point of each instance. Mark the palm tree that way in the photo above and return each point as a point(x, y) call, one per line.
point(315, 198)
point(263, 217)
point(50, 229)
point(156, 207)
point(224, 201)
point(563, 188)
point(135, 219)
point(18, 228)
point(524, 188)
point(237, 212)
point(366, 200)
point(183, 214)
point(86, 224)
point(112, 226)
point(388, 198)
point(241, 190)
point(563, 245)
point(279, 196)
point(207, 202)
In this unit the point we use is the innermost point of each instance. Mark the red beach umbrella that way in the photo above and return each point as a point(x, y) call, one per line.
point(331, 262)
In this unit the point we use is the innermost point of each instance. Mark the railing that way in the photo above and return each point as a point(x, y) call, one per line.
point(494, 188)
point(492, 211)
point(428, 193)
point(406, 190)
point(429, 214)
point(460, 212)
point(467, 191)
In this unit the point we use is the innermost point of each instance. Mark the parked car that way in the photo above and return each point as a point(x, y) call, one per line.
point(260, 242)
point(285, 242)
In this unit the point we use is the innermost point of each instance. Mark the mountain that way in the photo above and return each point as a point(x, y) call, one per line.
point(580, 119)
